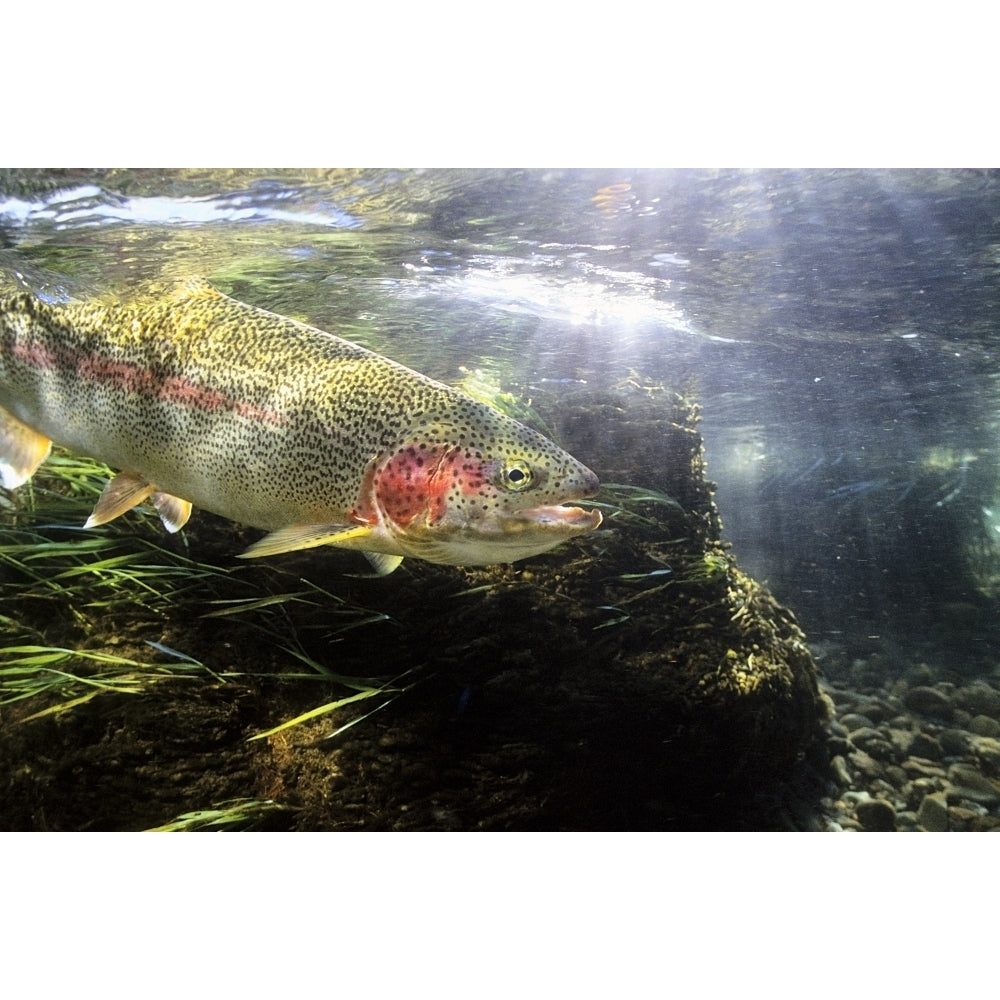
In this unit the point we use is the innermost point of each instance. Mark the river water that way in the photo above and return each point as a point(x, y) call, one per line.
point(839, 327)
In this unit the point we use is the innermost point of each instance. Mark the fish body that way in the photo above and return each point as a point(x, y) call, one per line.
point(203, 400)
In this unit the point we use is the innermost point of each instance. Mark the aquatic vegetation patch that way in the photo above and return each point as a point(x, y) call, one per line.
point(237, 815)
point(105, 593)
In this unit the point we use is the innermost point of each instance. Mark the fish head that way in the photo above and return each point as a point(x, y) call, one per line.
point(477, 492)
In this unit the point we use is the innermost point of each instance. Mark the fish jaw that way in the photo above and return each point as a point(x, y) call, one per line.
point(503, 538)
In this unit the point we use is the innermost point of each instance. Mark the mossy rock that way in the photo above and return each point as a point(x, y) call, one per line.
point(633, 679)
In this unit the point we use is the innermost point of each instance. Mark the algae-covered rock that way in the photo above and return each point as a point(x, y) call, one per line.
point(632, 679)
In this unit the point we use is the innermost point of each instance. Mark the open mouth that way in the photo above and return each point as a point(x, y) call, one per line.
point(569, 517)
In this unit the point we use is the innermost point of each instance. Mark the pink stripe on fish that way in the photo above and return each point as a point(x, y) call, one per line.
point(133, 378)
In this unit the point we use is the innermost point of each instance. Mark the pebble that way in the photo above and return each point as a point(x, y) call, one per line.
point(865, 764)
point(852, 721)
point(979, 699)
point(923, 768)
point(985, 725)
point(876, 815)
point(971, 784)
point(929, 701)
point(840, 772)
point(919, 751)
point(872, 708)
point(922, 745)
point(933, 813)
point(954, 742)
point(987, 752)
point(872, 742)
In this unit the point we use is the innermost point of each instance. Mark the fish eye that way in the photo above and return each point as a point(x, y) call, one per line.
point(516, 475)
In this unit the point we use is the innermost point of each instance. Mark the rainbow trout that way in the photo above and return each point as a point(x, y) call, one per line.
point(200, 399)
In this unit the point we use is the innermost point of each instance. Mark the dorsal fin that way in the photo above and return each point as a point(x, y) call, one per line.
point(195, 288)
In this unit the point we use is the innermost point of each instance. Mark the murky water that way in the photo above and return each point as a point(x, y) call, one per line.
point(839, 324)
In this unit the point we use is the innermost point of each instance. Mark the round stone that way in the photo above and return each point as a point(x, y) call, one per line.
point(852, 721)
point(928, 701)
point(865, 764)
point(954, 742)
point(925, 746)
point(933, 813)
point(838, 768)
point(979, 699)
point(876, 815)
point(971, 784)
point(985, 725)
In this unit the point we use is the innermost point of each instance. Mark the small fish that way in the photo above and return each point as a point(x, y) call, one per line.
point(202, 400)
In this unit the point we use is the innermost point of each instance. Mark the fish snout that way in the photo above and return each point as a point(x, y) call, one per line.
point(589, 483)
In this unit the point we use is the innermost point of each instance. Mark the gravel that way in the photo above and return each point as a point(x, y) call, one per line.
point(920, 756)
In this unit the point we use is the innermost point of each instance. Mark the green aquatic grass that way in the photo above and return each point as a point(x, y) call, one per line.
point(131, 577)
point(232, 815)
point(621, 502)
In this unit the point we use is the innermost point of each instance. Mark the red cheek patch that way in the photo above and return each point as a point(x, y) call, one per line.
point(419, 481)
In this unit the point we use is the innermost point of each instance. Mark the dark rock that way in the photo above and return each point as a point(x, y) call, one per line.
point(852, 721)
point(867, 765)
point(970, 784)
point(864, 735)
point(839, 771)
point(954, 742)
point(929, 701)
point(698, 713)
point(922, 768)
point(979, 699)
point(985, 725)
point(933, 813)
point(876, 815)
point(923, 745)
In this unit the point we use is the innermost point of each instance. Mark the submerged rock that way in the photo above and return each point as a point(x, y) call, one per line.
point(933, 813)
point(929, 701)
point(633, 679)
point(876, 815)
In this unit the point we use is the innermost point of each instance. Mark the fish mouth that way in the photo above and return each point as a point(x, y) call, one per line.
point(571, 517)
point(536, 528)
point(572, 520)
point(502, 538)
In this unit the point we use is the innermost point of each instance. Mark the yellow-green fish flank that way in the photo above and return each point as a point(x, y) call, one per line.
point(202, 400)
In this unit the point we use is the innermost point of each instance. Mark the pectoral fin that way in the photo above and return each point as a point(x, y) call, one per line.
point(22, 450)
point(308, 536)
